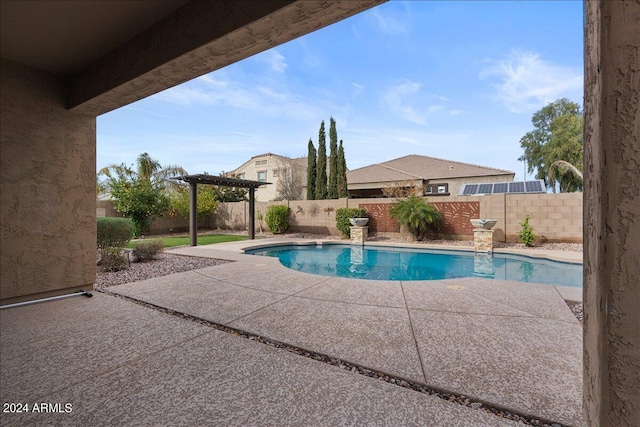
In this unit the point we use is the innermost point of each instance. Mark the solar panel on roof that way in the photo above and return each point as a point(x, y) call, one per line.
point(485, 188)
point(516, 187)
point(501, 187)
point(533, 187)
point(470, 189)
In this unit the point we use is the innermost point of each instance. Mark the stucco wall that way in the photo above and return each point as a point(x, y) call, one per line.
point(47, 192)
point(612, 214)
point(270, 163)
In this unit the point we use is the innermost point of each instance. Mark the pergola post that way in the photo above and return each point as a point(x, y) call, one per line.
point(224, 181)
point(193, 213)
point(252, 213)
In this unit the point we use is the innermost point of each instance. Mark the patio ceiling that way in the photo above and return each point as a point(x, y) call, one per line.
point(63, 37)
point(117, 52)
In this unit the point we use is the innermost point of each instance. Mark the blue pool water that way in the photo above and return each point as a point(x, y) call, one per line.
point(387, 263)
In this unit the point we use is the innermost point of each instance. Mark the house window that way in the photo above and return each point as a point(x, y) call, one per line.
point(262, 176)
point(261, 162)
point(437, 189)
point(275, 173)
point(240, 176)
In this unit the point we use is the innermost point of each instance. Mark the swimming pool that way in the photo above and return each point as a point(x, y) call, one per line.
point(390, 263)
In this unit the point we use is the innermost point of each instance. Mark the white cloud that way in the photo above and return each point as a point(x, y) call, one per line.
point(409, 101)
point(526, 82)
point(275, 60)
point(310, 57)
point(388, 23)
point(396, 99)
point(357, 89)
point(210, 90)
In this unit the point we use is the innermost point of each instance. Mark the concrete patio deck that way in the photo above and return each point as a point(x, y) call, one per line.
point(512, 345)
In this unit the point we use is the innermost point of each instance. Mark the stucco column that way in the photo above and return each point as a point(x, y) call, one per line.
point(612, 213)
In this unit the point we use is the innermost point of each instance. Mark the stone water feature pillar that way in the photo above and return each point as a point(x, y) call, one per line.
point(359, 235)
point(359, 231)
point(483, 240)
point(483, 235)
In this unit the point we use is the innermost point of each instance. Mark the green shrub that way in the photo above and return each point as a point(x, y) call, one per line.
point(113, 259)
point(147, 250)
point(417, 215)
point(526, 232)
point(342, 218)
point(277, 218)
point(113, 232)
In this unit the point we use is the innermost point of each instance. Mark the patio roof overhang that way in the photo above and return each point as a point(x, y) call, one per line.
point(224, 181)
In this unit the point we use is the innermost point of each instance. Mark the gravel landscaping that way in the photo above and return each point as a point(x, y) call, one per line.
point(164, 264)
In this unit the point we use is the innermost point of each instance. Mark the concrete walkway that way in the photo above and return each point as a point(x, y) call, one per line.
point(509, 344)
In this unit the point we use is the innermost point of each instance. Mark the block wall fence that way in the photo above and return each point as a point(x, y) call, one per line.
point(554, 217)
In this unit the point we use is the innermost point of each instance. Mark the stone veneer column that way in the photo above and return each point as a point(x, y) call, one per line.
point(482, 240)
point(612, 213)
point(359, 235)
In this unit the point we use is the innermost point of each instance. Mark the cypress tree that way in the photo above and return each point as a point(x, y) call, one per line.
point(332, 190)
point(342, 173)
point(311, 172)
point(321, 171)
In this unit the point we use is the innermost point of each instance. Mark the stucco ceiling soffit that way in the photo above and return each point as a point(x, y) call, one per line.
point(198, 38)
point(62, 36)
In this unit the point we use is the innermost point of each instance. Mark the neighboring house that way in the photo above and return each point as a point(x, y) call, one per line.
point(286, 175)
point(428, 175)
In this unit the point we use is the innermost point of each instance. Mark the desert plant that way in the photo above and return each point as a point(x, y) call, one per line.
point(526, 232)
point(147, 250)
point(277, 218)
point(113, 232)
point(342, 218)
point(417, 215)
point(113, 259)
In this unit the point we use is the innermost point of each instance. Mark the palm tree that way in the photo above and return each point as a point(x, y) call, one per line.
point(564, 166)
point(147, 170)
point(140, 194)
point(417, 215)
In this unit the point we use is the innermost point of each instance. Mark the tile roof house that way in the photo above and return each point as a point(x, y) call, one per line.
point(430, 175)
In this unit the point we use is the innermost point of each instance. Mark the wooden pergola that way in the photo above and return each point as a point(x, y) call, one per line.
point(223, 181)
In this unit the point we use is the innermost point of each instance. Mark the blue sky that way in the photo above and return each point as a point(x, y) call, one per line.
point(454, 80)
